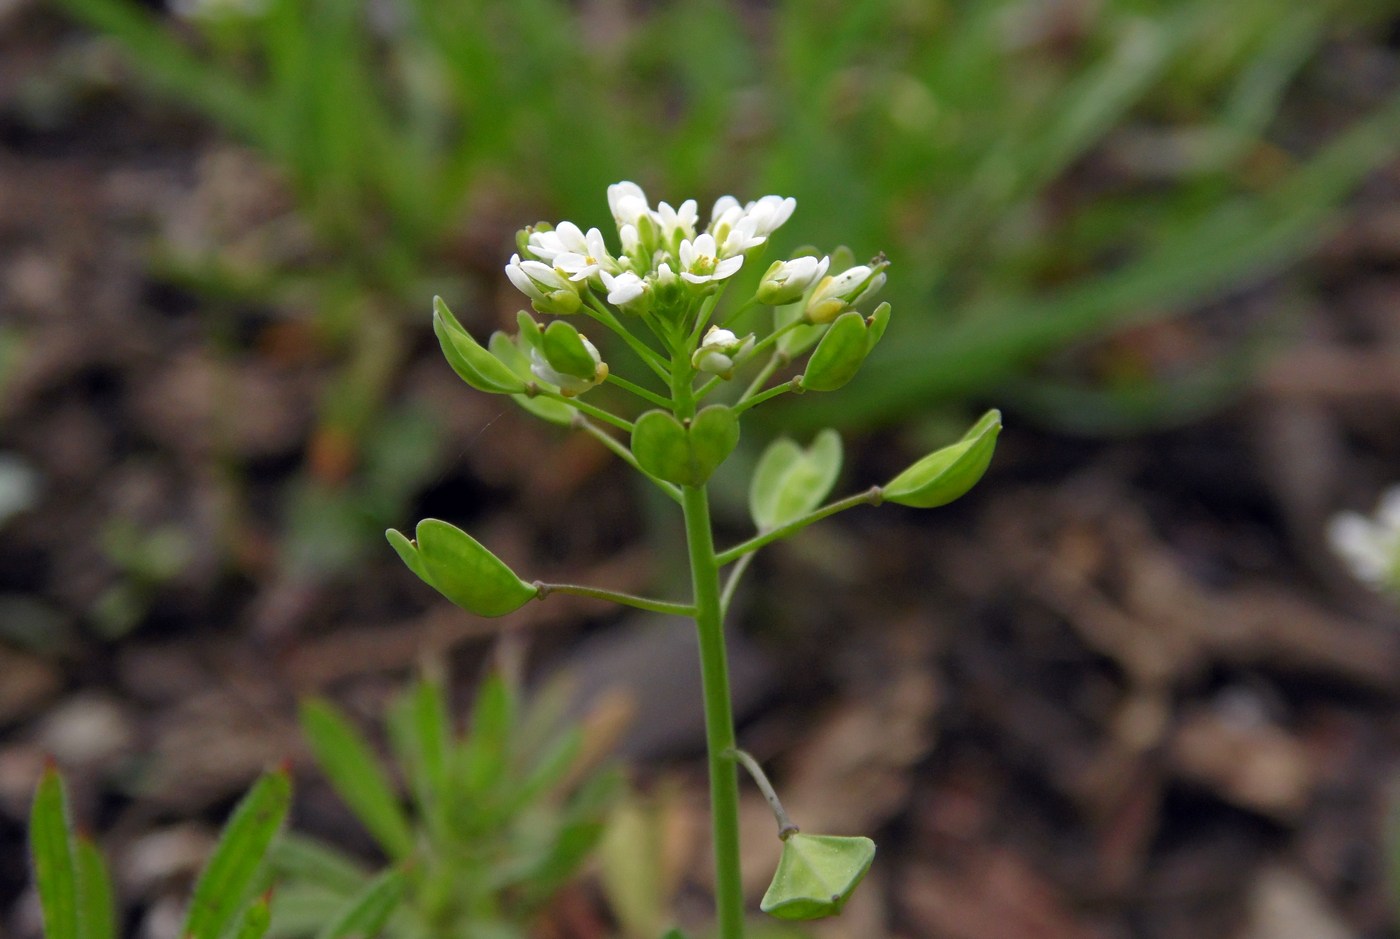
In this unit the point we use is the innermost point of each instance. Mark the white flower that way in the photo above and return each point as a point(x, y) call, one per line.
point(628, 204)
point(569, 385)
point(1371, 546)
point(675, 222)
point(749, 225)
point(585, 255)
point(719, 350)
point(549, 291)
point(739, 239)
point(786, 281)
point(769, 213)
point(701, 263)
point(628, 292)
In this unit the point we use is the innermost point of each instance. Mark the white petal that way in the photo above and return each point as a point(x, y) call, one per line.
point(728, 267)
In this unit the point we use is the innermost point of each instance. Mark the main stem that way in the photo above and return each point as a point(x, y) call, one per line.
point(719, 715)
point(714, 677)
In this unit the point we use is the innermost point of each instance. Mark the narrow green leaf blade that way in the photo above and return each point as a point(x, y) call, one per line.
point(256, 919)
point(230, 875)
point(55, 867)
point(97, 914)
point(365, 915)
point(356, 775)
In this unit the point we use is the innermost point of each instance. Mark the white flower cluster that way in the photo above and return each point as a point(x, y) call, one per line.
point(1371, 546)
point(662, 253)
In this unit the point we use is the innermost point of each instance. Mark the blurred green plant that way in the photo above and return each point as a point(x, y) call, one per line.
point(230, 898)
point(501, 818)
point(1041, 173)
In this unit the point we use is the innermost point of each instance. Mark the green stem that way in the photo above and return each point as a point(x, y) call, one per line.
point(871, 496)
point(607, 417)
point(793, 385)
point(731, 584)
point(596, 309)
point(785, 826)
point(626, 455)
point(616, 596)
point(719, 716)
point(639, 391)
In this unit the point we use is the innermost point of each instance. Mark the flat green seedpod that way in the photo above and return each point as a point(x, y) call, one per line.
point(789, 481)
point(455, 564)
point(816, 875)
point(468, 358)
point(517, 360)
point(839, 355)
point(685, 454)
point(565, 352)
point(948, 473)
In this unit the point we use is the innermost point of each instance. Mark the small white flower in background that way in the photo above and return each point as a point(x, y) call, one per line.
point(719, 350)
point(701, 263)
point(786, 281)
point(1371, 546)
point(569, 385)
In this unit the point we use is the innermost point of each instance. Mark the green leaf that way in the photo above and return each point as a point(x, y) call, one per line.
point(229, 876)
point(356, 775)
point(948, 473)
point(685, 454)
point(466, 573)
point(420, 731)
point(469, 359)
point(816, 875)
point(789, 482)
point(565, 352)
point(365, 914)
point(55, 866)
point(97, 912)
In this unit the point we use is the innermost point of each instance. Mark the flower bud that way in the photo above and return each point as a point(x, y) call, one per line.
point(549, 291)
point(786, 281)
point(718, 351)
point(836, 294)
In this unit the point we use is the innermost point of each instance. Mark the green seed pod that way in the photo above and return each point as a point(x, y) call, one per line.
point(517, 360)
point(455, 564)
point(789, 482)
point(839, 355)
point(948, 473)
point(685, 454)
point(472, 363)
point(816, 875)
point(566, 353)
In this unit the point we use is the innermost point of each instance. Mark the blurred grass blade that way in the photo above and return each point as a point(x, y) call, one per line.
point(230, 875)
point(55, 867)
point(365, 915)
point(256, 919)
point(304, 860)
point(1245, 237)
point(357, 776)
point(420, 731)
point(97, 908)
